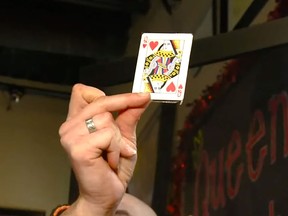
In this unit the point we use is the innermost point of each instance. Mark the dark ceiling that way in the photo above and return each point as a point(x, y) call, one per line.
point(67, 41)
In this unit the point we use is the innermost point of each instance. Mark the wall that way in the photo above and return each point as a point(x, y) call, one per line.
point(185, 18)
point(34, 169)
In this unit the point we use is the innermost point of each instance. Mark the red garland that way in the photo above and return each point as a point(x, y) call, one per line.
point(200, 107)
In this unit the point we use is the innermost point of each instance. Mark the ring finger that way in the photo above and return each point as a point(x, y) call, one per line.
point(96, 123)
point(80, 127)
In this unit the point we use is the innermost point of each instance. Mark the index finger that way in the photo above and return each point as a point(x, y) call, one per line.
point(81, 96)
point(115, 103)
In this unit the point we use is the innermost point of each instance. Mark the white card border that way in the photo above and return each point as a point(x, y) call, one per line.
point(188, 37)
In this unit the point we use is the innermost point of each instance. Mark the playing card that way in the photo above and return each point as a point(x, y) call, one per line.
point(162, 65)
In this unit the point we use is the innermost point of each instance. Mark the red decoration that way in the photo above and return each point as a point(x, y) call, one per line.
point(200, 107)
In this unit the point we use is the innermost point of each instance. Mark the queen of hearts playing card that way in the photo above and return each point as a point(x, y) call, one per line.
point(162, 65)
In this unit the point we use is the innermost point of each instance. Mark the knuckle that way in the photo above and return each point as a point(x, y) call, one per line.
point(65, 140)
point(77, 87)
point(108, 118)
point(76, 154)
point(79, 155)
point(110, 131)
point(62, 129)
point(69, 141)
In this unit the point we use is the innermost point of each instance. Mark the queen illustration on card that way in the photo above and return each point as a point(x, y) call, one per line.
point(162, 65)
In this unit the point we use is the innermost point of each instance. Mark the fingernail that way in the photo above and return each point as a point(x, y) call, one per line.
point(144, 94)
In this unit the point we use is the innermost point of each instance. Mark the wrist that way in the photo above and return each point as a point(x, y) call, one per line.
point(84, 208)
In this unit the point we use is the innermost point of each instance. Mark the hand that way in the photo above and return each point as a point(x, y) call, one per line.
point(103, 161)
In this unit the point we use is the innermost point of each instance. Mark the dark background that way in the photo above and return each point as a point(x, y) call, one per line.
point(265, 77)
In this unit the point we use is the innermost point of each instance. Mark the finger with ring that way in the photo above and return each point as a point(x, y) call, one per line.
point(90, 125)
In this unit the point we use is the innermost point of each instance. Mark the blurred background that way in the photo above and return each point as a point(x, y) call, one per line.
point(47, 46)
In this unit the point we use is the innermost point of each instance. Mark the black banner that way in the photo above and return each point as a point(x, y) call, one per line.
point(243, 163)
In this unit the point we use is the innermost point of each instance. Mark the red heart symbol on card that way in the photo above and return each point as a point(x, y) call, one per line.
point(153, 44)
point(144, 45)
point(180, 86)
point(171, 87)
